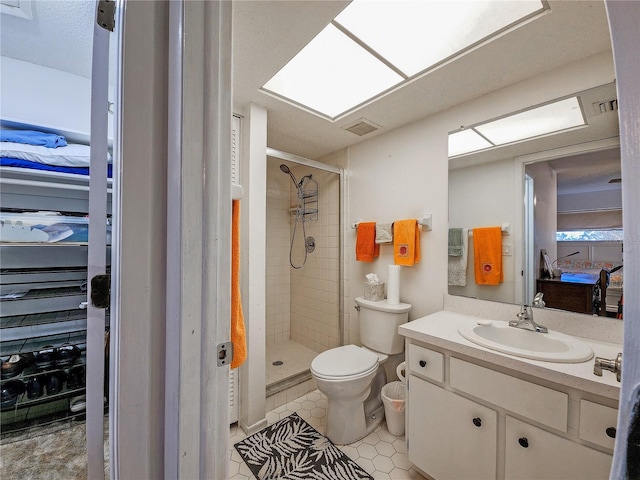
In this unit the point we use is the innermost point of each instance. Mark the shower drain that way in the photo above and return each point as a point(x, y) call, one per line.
point(277, 363)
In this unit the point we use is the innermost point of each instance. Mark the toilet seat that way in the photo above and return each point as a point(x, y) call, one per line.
point(342, 363)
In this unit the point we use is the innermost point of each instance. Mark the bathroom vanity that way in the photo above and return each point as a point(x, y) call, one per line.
point(477, 413)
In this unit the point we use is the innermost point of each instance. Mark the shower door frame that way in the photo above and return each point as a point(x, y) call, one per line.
point(290, 157)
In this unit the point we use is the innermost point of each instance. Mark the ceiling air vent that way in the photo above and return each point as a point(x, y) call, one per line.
point(605, 106)
point(362, 127)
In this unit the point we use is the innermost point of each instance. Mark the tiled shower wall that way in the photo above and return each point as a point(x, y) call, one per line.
point(315, 287)
point(302, 304)
point(277, 264)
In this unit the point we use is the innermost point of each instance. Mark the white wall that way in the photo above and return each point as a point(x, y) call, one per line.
point(400, 175)
point(253, 174)
point(473, 202)
point(51, 99)
point(584, 202)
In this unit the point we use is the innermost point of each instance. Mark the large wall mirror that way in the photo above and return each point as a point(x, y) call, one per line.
point(559, 193)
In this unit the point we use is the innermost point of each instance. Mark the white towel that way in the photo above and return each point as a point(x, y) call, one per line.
point(383, 232)
point(458, 265)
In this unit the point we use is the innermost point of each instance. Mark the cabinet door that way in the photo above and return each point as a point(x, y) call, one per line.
point(532, 453)
point(450, 437)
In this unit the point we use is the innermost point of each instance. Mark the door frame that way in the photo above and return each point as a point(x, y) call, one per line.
point(625, 36)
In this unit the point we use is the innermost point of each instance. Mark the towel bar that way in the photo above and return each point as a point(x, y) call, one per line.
point(505, 228)
point(424, 221)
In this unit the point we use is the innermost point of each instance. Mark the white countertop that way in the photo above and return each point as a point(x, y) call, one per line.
point(441, 330)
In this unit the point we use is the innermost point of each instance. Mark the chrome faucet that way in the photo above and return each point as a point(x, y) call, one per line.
point(538, 302)
point(526, 322)
point(612, 365)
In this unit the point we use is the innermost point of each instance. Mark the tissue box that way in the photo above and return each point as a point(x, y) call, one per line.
point(375, 293)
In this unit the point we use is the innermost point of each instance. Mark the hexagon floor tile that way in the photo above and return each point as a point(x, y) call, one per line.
point(380, 453)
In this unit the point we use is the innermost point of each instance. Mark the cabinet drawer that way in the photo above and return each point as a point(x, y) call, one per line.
point(534, 453)
point(426, 362)
point(598, 423)
point(538, 403)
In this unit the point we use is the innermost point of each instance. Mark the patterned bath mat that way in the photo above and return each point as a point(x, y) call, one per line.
point(292, 449)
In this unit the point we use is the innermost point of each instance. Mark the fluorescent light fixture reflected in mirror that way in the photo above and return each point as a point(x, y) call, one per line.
point(416, 35)
point(332, 74)
point(550, 118)
point(466, 141)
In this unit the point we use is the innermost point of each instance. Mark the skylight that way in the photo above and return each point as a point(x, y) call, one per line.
point(372, 46)
point(544, 120)
point(332, 74)
point(416, 35)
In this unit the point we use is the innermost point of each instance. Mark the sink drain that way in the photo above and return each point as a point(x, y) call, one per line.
point(277, 363)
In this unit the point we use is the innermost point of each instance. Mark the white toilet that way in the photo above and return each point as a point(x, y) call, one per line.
point(352, 377)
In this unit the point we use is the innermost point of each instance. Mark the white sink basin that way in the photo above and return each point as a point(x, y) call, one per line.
point(548, 347)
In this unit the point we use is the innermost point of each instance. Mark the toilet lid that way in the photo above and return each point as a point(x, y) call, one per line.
point(344, 361)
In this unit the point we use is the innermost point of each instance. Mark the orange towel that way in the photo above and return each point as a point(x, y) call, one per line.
point(366, 247)
point(238, 335)
point(487, 253)
point(406, 242)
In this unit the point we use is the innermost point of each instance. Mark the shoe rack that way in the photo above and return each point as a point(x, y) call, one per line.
point(42, 329)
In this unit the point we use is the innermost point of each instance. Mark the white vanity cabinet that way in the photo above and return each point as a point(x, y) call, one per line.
point(466, 420)
point(532, 452)
point(442, 423)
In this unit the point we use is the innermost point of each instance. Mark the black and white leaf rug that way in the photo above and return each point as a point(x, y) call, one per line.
point(291, 449)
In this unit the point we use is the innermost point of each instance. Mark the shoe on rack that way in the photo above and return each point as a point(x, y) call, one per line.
point(76, 378)
point(55, 382)
point(78, 404)
point(14, 365)
point(45, 357)
point(10, 393)
point(65, 355)
point(35, 386)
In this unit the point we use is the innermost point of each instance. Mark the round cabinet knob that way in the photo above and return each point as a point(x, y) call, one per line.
point(611, 432)
point(477, 422)
point(422, 363)
point(524, 443)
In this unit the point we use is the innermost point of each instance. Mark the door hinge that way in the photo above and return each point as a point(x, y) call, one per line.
point(225, 353)
point(106, 17)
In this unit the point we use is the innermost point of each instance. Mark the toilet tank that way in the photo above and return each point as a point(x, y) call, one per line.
point(379, 322)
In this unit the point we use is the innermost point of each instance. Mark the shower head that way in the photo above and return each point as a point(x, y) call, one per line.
point(286, 169)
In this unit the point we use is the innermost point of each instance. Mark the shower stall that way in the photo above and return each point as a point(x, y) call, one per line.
point(303, 268)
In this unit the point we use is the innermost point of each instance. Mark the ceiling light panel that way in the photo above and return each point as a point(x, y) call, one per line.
point(332, 74)
point(550, 118)
point(416, 35)
point(466, 141)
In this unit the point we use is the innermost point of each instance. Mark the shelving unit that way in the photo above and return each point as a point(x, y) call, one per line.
point(42, 289)
point(307, 210)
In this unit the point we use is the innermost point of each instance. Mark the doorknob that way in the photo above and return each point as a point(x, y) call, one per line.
point(101, 291)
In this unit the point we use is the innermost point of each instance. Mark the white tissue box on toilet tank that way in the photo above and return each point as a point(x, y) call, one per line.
point(374, 292)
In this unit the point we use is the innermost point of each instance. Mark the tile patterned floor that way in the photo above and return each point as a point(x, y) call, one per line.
point(381, 454)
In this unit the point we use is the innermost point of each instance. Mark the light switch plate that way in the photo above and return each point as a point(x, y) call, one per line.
point(507, 249)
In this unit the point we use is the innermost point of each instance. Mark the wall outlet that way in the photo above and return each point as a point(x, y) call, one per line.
point(507, 248)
